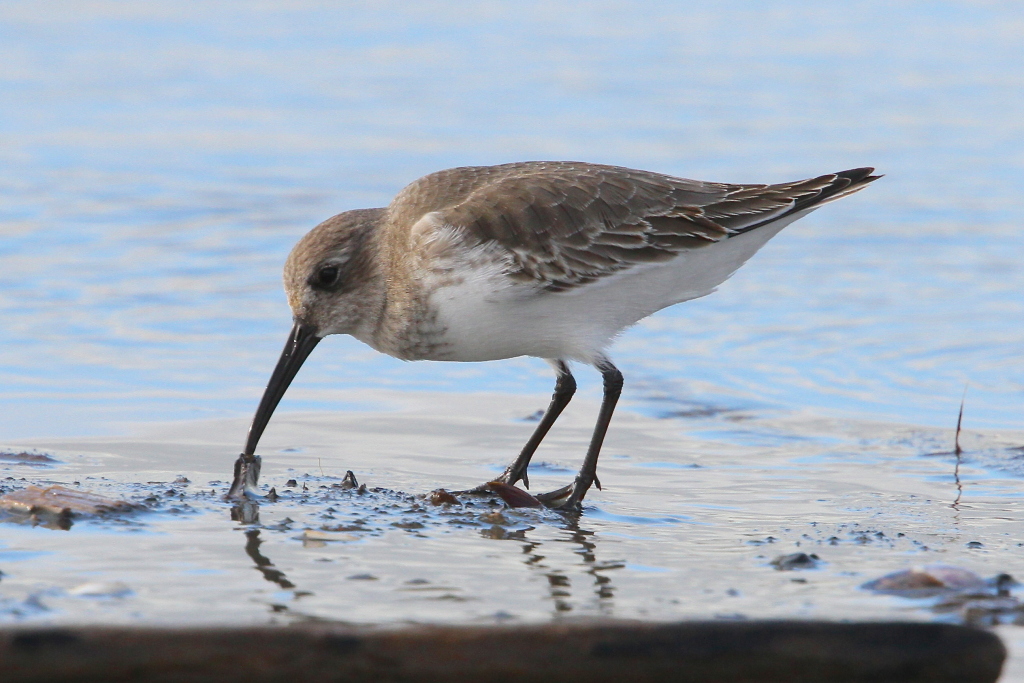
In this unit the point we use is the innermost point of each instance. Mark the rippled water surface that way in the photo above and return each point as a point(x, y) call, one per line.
point(158, 160)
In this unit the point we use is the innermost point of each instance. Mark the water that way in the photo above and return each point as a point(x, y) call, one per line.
point(157, 162)
point(696, 540)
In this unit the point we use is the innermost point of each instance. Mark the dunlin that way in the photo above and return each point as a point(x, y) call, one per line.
point(545, 259)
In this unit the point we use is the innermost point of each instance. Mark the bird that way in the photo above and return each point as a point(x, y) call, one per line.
point(550, 259)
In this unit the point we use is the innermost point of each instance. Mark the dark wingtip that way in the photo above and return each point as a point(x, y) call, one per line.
point(859, 175)
point(846, 182)
point(834, 185)
point(856, 174)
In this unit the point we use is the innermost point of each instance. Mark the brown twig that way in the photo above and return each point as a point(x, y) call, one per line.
point(959, 421)
point(958, 451)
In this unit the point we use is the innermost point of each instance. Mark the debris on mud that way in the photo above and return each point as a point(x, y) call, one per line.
point(926, 581)
point(442, 497)
point(977, 601)
point(26, 458)
point(796, 561)
point(55, 506)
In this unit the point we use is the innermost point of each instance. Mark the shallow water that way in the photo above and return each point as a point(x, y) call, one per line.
point(687, 525)
point(158, 160)
point(693, 513)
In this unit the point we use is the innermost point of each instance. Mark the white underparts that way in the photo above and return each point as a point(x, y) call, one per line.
point(488, 316)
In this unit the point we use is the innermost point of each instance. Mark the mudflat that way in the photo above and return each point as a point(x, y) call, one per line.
point(703, 515)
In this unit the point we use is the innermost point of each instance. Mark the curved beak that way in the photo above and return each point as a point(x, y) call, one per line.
point(301, 342)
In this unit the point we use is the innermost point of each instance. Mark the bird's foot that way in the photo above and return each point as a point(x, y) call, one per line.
point(513, 474)
point(509, 477)
point(559, 498)
point(569, 498)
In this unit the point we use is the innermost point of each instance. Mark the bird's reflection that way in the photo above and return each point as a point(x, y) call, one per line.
point(246, 512)
point(959, 484)
point(263, 563)
point(559, 583)
point(602, 586)
point(265, 566)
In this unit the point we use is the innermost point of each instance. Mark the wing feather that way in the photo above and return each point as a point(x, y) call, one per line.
point(564, 224)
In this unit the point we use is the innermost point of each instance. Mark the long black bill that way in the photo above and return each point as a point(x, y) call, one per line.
point(301, 342)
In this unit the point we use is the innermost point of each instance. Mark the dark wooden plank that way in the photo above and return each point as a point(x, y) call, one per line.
point(594, 652)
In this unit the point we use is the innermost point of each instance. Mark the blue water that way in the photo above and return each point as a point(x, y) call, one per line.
point(158, 160)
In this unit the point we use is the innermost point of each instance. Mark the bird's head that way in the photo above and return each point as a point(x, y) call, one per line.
point(333, 288)
point(329, 276)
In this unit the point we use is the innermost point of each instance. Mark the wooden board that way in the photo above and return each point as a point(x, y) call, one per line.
point(594, 652)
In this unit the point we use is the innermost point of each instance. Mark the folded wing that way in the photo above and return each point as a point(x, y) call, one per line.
point(565, 224)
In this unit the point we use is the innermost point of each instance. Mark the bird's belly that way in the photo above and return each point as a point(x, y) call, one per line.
point(491, 324)
point(491, 319)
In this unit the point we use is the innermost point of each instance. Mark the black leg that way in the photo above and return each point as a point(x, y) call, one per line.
point(571, 497)
point(565, 387)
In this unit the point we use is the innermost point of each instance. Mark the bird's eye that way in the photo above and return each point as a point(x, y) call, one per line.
point(326, 277)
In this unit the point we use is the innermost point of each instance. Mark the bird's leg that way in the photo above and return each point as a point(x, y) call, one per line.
point(570, 497)
point(565, 387)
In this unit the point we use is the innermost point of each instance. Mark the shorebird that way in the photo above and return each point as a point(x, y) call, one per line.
point(538, 258)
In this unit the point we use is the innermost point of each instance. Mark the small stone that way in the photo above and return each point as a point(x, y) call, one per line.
point(796, 561)
point(442, 497)
point(930, 579)
point(26, 458)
